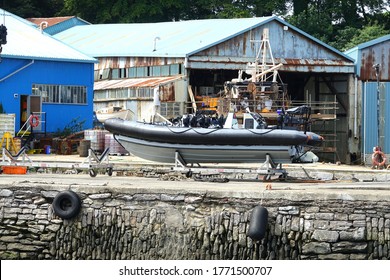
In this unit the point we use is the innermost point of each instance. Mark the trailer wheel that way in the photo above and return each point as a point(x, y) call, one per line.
point(109, 171)
point(92, 172)
point(283, 177)
point(267, 178)
point(67, 204)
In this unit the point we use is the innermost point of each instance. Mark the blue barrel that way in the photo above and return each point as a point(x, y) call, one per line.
point(47, 149)
point(258, 223)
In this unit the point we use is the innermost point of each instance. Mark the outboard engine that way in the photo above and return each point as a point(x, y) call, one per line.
point(254, 120)
point(294, 117)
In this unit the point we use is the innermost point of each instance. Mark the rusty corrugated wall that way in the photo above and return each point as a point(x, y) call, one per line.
point(127, 62)
point(372, 55)
point(296, 51)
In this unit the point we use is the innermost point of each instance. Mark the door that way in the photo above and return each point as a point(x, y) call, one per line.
point(35, 108)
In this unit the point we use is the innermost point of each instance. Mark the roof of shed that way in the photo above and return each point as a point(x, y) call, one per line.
point(50, 21)
point(163, 39)
point(370, 43)
point(25, 41)
point(55, 25)
point(134, 83)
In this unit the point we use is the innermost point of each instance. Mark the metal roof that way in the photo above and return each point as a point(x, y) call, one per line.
point(134, 83)
point(55, 25)
point(163, 39)
point(25, 41)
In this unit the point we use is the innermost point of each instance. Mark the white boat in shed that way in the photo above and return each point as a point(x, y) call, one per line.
point(114, 112)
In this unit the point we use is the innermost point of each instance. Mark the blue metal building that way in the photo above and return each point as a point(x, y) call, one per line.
point(373, 85)
point(41, 75)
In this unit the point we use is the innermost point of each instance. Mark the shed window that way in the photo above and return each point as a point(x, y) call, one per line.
point(100, 95)
point(132, 72)
point(165, 70)
point(155, 71)
point(106, 74)
point(115, 74)
point(141, 72)
point(61, 93)
point(174, 69)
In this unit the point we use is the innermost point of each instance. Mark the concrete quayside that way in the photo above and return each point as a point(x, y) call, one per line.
point(331, 212)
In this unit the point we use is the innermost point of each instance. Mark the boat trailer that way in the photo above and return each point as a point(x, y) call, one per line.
point(92, 163)
point(223, 174)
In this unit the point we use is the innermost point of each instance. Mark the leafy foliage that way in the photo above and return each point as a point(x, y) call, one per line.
point(350, 37)
point(74, 126)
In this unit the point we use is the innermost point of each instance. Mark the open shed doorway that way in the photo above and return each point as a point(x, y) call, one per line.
point(29, 104)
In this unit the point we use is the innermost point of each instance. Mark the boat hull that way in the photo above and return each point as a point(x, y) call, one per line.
point(206, 136)
point(166, 152)
point(161, 143)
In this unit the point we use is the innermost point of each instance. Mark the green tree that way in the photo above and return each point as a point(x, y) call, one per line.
point(351, 37)
point(338, 22)
point(124, 11)
point(33, 8)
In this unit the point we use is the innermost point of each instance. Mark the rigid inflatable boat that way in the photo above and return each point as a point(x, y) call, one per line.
point(214, 141)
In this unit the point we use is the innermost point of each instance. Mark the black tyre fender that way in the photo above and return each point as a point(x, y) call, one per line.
point(67, 204)
point(258, 223)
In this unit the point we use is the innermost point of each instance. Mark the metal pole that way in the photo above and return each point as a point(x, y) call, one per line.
point(376, 67)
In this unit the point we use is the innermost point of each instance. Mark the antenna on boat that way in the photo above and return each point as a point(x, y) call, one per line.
point(264, 62)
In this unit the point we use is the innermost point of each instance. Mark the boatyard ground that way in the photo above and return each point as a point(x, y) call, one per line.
point(320, 178)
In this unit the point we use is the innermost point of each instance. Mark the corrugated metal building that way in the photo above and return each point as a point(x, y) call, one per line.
point(203, 54)
point(41, 74)
point(373, 94)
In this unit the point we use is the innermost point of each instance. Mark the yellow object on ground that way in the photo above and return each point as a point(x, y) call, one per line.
point(9, 141)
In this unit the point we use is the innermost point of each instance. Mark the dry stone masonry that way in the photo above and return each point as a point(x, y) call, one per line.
point(129, 224)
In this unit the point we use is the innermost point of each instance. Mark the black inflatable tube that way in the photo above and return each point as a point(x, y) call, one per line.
point(258, 223)
point(208, 136)
point(67, 204)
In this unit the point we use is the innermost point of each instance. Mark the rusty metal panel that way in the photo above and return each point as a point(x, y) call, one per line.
point(134, 83)
point(290, 47)
point(290, 65)
point(372, 55)
point(168, 92)
point(127, 62)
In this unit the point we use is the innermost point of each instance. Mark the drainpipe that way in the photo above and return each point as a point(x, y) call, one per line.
point(365, 123)
point(376, 67)
point(355, 109)
point(18, 70)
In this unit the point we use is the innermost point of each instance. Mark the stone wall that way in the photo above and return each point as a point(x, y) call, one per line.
point(124, 223)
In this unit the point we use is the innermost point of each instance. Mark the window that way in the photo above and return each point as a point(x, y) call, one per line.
point(115, 74)
point(61, 93)
point(175, 69)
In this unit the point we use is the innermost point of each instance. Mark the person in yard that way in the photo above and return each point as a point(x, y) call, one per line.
point(156, 102)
